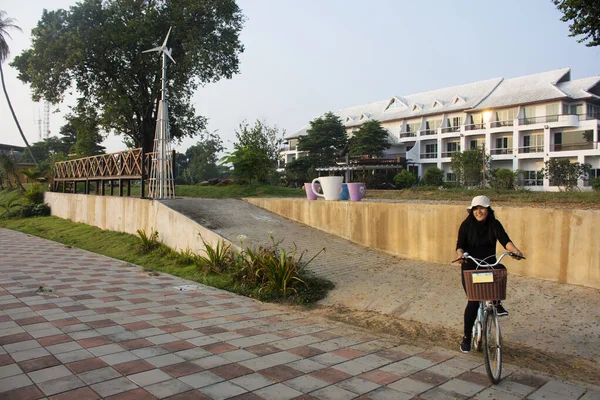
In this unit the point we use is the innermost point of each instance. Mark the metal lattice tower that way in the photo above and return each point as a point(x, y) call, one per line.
point(46, 119)
point(162, 184)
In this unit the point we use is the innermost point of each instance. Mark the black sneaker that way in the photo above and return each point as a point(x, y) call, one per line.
point(465, 346)
point(501, 310)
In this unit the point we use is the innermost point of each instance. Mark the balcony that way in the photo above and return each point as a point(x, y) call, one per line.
point(428, 155)
point(574, 146)
point(501, 124)
point(287, 147)
point(587, 117)
point(429, 132)
point(474, 127)
point(446, 154)
point(450, 129)
point(538, 120)
point(501, 150)
point(530, 149)
point(407, 134)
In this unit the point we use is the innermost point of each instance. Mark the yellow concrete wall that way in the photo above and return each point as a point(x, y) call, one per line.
point(560, 244)
point(128, 214)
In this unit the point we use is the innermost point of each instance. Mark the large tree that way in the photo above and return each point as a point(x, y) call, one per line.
point(202, 159)
point(256, 151)
point(96, 47)
point(83, 123)
point(325, 138)
point(371, 139)
point(5, 25)
point(585, 19)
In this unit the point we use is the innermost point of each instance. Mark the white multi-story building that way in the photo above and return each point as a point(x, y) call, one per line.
point(521, 122)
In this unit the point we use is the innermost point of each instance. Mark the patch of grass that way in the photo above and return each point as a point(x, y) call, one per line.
point(157, 259)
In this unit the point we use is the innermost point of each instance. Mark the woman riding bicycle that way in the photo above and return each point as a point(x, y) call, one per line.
point(478, 235)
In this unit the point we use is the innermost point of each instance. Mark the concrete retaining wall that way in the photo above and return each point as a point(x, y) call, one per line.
point(560, 244)
point(128, 214)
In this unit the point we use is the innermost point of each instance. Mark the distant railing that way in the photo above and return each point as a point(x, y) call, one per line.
point(121, 165)
point(428, 155)
point(538, 120)
point(428, 132)
point(474, 127)
point(587, 117)
point(501, 150)
point(499, 124)
point(574, 146)
point(533, 182)
point(449, 129)
point(449, 153)
point(407, 134)
point(530, 149)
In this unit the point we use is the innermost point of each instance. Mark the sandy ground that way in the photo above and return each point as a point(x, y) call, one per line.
point(553, 327)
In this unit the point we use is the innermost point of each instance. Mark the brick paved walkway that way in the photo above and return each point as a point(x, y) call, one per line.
point(75, 325)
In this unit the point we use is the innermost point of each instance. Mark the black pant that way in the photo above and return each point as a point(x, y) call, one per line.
point(472, 306)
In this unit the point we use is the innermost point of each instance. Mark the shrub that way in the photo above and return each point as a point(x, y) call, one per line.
point(433, 177)
point(35, 194)
point(217, 258)
point(35, 210)
point(595, 184)
point(405, 179)
point(502, 178)
point(148, 243)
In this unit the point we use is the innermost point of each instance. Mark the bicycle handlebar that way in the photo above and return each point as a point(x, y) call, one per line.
point(483, 263)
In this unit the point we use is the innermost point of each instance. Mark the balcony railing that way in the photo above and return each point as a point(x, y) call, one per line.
point(428, 132)
point(449, 153)
point(407, 134)
point(499, 124)
point(474, 127)
point(449, 129)
point(287, 147)
point(530, 149)
point(574, 146)
point(501, 150)
point(587, 117)
point(429, 155)
point(538, 120)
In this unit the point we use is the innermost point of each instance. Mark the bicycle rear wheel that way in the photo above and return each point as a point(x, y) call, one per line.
point(492, 345)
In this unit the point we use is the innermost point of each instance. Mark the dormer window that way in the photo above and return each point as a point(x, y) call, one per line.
point(458, 100)
point(437, 103)
point(416, 107)
point(394, 104)
point(364, 116)
point(349, 119)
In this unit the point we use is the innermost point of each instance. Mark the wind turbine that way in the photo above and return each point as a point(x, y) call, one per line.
point(161, 172)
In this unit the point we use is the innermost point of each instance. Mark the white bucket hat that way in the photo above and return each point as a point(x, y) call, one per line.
point(481, 201)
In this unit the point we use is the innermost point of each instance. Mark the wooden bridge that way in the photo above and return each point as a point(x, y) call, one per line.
point(115, 169)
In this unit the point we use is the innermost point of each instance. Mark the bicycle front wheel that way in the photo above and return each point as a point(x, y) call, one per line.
point(492, 346)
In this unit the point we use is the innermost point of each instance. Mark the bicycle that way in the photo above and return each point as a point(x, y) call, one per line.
point(487, 287)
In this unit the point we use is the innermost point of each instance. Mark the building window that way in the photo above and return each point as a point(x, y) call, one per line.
point(591, 177)
point(450, 177)
point(528, 116)
point(533, 178)
point(505, 117)
point(431, 126)
point(503, 146)
point(413, 127)
point(473, 144)
point(573, 109)
point(430, 151)
point(593, 111)
point(533, 144)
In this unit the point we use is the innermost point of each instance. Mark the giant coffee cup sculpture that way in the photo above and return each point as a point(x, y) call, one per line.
point(357, 190)
point(331, 186)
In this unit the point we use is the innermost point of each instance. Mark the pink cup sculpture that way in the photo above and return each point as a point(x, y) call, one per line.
point(310, 195)
point(357, 190)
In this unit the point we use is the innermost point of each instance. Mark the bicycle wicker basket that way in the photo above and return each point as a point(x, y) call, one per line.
point(477, 291)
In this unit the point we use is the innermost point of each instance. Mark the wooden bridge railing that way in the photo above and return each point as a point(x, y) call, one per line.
point(122, 166)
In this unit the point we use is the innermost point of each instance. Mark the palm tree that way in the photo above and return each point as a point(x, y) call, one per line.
point(5, 25)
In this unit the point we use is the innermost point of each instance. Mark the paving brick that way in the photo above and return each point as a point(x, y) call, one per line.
point(39, 363)
point(60, 385)
point(222, 390)
point(133, 367)
point(201, 379)
point(306, 383)
point(182, 369)
point(14, 338)
point(149, 377)
point(195, 395)
point(21, 346)
point(114, 386)
point(252, 381)
point(84, 393)
point(333, 392)
point(380, 377)
point(6, 359)
point(54, 339)
point(22, 393)
point(137, 394)
point(89, 364)
point(94, 341)
point(48, 374)
point(10, 370)
point(98, 375)
point(278, 392)
point(168, 388)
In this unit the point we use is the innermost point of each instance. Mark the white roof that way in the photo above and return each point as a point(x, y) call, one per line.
point(581, 88)
point(491, 93)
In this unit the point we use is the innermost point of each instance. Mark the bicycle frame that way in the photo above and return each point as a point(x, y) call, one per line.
point(486, 328)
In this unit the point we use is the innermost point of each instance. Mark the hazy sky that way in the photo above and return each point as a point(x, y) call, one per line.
point(304, 58)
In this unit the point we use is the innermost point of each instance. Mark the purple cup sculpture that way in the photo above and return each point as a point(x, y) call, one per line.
point(357, 190)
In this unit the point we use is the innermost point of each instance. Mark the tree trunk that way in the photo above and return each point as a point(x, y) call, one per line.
point(15, 117)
